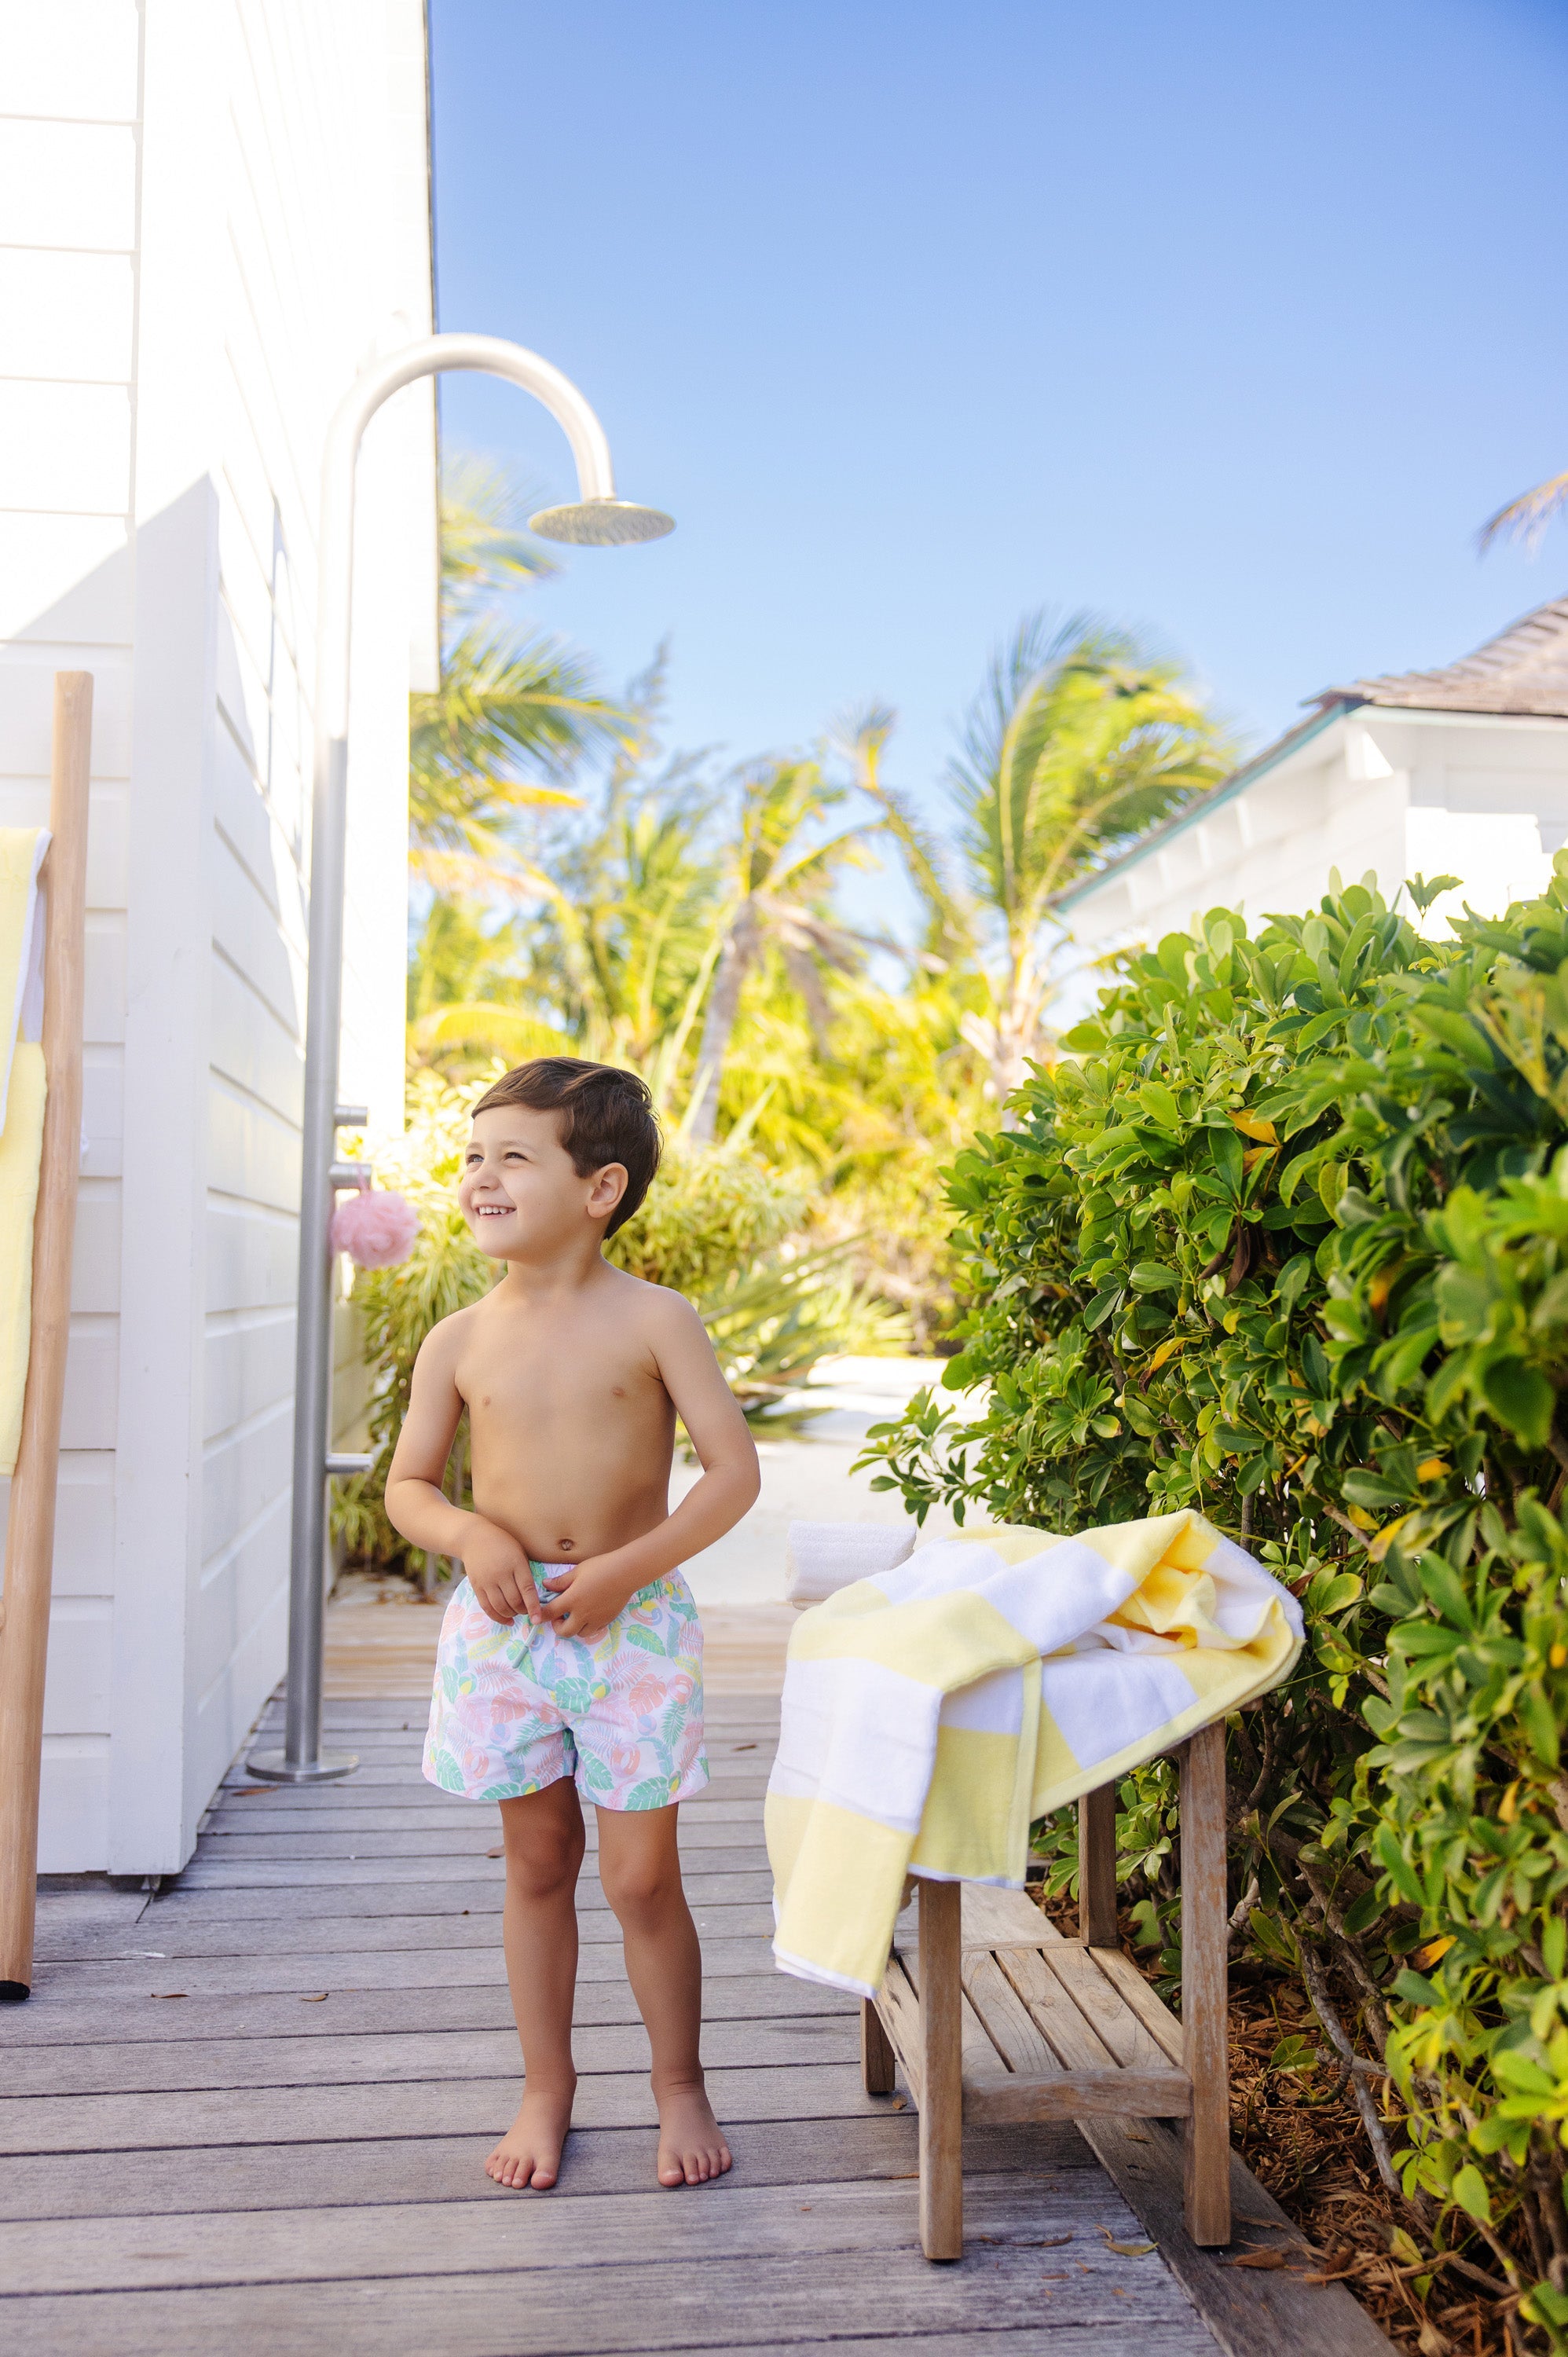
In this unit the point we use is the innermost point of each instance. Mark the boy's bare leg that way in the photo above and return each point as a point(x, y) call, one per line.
point(641, 1870)
point(544, 1843)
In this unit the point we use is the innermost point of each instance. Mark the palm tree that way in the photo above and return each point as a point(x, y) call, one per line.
point(778, 882)
point(514, 711)
point(1082, 737)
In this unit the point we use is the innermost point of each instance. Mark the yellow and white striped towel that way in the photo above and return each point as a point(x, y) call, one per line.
point(932, 1712)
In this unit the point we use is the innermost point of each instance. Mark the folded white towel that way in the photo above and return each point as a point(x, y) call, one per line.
point(822, 1557)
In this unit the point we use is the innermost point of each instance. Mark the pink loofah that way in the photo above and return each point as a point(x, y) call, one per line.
point(376, 1229)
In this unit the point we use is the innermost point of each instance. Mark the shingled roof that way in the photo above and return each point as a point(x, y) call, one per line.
point(1524, 670)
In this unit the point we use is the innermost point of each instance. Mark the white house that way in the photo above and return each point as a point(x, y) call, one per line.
point(1462, 771)
point(212, 214)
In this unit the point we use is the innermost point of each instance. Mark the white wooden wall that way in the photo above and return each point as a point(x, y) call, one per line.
point(1376, 791)
point(213, 212)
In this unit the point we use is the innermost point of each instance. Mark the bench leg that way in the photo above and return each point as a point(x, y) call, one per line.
point(876, 2057)
point(1204, 1943)
point(941, 2074)
point(1096, 1869)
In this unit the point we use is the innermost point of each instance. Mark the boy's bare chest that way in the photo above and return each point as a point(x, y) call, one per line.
point(532, 1374)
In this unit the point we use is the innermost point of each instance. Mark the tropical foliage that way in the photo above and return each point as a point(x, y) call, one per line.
point(1285, 1237)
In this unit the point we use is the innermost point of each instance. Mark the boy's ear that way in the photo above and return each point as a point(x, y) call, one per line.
point(609, 1185)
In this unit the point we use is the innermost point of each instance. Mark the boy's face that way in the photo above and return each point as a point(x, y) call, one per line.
point(520, 1193)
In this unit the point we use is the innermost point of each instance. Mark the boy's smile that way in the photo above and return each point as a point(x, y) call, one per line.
point(521, 1193)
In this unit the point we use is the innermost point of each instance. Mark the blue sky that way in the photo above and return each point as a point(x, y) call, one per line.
point(1228, 320)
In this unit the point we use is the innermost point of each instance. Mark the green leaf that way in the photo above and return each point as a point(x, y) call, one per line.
point(1153, 1276)
point(1469, 2190)
point(1290, 1282)
point(1395, 1865)
point(1456, 1032)
point(1226, 1151)
point(1160, 1102)
point(1424, 891)
point(1520, 1396)
point(1366, 1912)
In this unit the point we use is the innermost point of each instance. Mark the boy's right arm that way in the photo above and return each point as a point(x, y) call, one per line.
point(498, 1567)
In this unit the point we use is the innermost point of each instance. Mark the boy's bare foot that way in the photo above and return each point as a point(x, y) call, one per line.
point(692, 2147)
point(530, 2152)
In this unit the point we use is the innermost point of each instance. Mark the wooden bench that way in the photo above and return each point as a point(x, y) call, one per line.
point(994, 2016)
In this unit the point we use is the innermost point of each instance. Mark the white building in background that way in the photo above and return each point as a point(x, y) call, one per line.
point(212, 214)
point(1462, 771)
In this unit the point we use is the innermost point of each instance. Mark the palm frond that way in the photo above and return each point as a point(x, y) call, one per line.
point(1526, 518)
point(509, 702)
point(487, 873)
point(490, 1029)
point(485, 546)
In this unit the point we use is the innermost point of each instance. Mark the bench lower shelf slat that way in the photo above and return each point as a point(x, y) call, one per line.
point(995, 2095)
point(1080, 2095)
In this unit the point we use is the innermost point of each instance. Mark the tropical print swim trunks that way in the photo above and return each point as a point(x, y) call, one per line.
point(516, 1708)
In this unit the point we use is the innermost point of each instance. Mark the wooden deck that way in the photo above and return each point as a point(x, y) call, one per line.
point(250, 2114)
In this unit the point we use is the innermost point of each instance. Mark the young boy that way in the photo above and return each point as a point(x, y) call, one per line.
point(571, 1656)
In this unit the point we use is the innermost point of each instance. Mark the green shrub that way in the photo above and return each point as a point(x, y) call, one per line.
point(1288, 1241)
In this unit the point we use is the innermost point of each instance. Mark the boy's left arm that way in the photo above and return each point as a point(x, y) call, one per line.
point(603, 1585)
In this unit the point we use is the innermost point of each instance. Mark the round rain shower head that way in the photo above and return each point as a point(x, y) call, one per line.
point(601, 523)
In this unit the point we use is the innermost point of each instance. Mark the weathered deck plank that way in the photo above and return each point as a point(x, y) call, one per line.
point(441, 2169)
point(472, 1954)
point(481, 2106)
point(367, 2058)
point(742, 2304)
point(350, 2007)
point(467, 2237)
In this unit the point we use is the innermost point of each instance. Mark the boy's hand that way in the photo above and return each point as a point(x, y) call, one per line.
point(582, 1601)
point(499, 1573)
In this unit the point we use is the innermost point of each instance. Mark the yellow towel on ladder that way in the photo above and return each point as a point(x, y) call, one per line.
point(22, 850)
point(21, 1149)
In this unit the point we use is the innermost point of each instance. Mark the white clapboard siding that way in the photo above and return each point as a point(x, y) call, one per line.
point(161, 411)
point(73, 1803)
point(249, 1364)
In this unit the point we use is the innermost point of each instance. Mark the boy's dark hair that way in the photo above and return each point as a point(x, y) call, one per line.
point(605, 1114)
